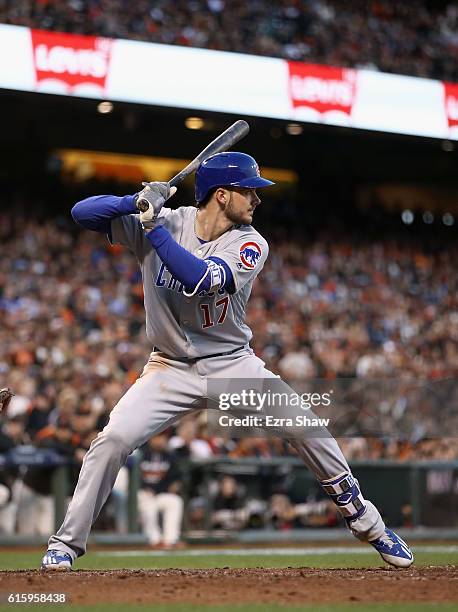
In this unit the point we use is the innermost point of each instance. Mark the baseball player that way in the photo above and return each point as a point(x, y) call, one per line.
point(159, 494)
point(198, 265)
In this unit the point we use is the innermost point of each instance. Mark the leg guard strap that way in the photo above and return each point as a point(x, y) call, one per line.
point(345, 493)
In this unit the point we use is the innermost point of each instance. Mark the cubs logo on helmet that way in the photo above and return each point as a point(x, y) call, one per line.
point(250, 254)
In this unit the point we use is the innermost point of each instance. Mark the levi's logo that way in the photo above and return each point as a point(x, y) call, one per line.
point(69, 63)
point(322, 88)
point(451, 103)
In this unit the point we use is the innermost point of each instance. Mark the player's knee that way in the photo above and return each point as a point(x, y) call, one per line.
point(113, 442)
point(129, 432)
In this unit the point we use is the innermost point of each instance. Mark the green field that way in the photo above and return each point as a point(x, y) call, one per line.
point(204, 559)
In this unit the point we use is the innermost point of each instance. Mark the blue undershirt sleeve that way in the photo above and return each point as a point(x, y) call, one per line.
point(96, 213)
point(182, 264)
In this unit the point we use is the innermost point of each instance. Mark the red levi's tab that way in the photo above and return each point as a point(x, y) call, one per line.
point(70, 64)
point(322, 89)
point(451, 104)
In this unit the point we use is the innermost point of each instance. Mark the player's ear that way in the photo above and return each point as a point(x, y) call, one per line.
point(222, 196)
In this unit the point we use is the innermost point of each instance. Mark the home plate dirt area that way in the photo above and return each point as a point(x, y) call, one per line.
point(218, 586)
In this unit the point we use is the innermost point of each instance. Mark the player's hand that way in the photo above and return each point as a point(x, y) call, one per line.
point(150, 201)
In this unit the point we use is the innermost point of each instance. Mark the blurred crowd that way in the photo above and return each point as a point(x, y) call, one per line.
point(72, 341)
point(413, 38)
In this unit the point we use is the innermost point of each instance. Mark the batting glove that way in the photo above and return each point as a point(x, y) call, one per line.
point(150, 201)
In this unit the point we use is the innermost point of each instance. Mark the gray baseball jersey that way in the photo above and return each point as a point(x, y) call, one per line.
point(207, 323)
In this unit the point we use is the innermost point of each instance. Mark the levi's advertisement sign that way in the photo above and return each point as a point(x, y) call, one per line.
point(129, 71)
point(71, 64)
point(451, 105)
point(322, 93)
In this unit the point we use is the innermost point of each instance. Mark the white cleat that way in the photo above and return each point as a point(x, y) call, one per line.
point(393, 549)
point(56, 560)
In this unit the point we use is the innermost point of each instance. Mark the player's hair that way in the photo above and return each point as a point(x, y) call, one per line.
point(207, 198)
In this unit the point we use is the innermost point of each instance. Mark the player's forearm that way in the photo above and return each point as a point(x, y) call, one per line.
point(183, 265)
point(97, 212)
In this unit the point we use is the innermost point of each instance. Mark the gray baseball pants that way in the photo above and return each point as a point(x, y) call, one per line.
point(167, 390)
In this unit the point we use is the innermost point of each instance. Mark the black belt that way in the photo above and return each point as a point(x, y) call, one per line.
point(239, 348)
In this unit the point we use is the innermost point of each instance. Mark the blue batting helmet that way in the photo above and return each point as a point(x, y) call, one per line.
point(228, 169)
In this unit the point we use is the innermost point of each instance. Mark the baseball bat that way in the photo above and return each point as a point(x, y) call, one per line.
point(223, 142)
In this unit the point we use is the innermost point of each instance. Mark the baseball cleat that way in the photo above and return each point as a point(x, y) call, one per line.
point(56, 560)
point(393, 549)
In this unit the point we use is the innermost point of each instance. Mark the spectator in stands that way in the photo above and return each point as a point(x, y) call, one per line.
point(187, 443)
point(281, 512)
point(284, 514)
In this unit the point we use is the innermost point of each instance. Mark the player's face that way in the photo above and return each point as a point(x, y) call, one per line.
point(241, 205)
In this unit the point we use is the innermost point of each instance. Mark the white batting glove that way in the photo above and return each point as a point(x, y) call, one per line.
point(150, 201)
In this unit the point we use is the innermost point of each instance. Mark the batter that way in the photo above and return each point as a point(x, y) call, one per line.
point(198, 266)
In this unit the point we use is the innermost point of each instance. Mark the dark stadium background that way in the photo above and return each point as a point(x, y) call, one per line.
point(331, 163)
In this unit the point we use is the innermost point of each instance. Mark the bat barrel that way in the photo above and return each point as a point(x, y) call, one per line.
point(223, 142)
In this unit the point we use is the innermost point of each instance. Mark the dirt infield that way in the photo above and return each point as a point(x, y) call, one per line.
point(287, 586)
